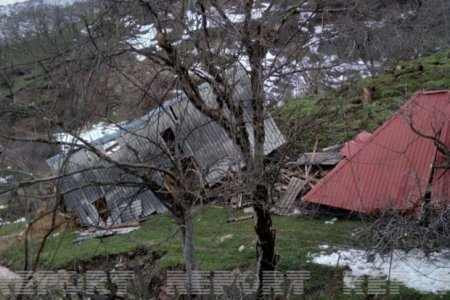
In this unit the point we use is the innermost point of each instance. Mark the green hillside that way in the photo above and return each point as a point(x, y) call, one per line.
point(339, 115)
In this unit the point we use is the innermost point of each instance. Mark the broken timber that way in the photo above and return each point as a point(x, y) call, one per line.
point(238, 219)
point(320, 158)
point(286, 203)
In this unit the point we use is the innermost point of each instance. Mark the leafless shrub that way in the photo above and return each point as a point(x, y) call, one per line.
point(394, 230)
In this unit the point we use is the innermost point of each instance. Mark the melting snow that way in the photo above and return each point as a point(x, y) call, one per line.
point(20, 220)
point(9, 2)
point(275, 89)
point(95, 132)
point(145, 38)
point(257, 13)
point(233, 17)
point(413, 269)
point(306, 15)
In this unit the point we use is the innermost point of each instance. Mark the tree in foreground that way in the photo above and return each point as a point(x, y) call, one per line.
point(177, 46)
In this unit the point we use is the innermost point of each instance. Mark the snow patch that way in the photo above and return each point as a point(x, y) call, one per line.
point(145, 38)
point(257, 13)
point(95, 132)
point(332, 221)
point(414, 269)
point(234, 17)
point(20, 220)
point(9, 2)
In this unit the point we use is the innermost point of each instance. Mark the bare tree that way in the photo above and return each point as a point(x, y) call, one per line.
point(262, 27)
point(157, 47)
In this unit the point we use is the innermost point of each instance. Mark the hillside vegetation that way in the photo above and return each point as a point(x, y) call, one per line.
point(338, 115)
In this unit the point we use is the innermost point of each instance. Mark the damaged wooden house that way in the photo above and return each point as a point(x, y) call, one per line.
point(101, 194)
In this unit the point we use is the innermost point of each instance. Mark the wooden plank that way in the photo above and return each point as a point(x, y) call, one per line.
point(239, 219)
point(320, 158)
point(286, 203)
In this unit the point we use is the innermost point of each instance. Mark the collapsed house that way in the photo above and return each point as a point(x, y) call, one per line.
point(100, 193)
point(399, 166)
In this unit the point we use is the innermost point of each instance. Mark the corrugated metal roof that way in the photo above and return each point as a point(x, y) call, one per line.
point(141, 141)
point(393, 168)
point(353, 146)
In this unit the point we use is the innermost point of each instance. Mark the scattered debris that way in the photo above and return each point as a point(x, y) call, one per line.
point(241, 248)
point(100, 233)
point(332, 221)
point(216, 206)
point(333, 148)
point(319, 158)
point(238, 219)
point(20, 220)
point(248, 210)
point(286, 203)
point(226, 237)
point(236, 201)
point(297, 212)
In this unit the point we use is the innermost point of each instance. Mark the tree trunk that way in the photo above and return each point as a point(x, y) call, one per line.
point(184, 222)
point(266, 256)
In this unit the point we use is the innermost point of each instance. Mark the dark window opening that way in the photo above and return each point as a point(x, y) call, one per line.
point(169, 139)
point(102, 209)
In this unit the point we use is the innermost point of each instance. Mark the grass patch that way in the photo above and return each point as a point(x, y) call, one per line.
point(338, 116)
point(7, 229)
point(297, 238)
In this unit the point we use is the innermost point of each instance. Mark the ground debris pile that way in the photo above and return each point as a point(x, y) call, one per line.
point(292, 179)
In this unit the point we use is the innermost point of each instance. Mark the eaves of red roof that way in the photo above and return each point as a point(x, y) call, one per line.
point(393, 167)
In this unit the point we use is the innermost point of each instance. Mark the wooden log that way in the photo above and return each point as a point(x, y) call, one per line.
point(239, 219)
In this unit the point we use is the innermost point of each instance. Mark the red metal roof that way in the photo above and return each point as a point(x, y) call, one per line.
point(353, 146)
point(394, 166)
